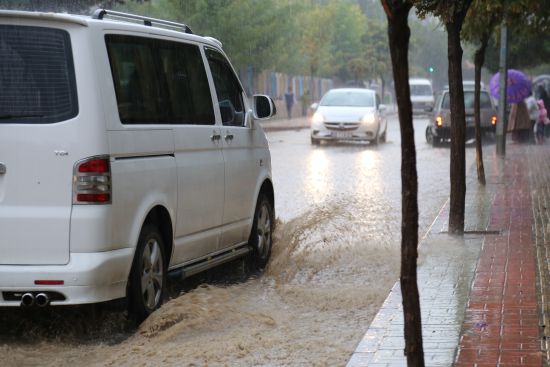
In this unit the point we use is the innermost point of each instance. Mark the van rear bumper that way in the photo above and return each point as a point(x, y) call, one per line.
point(87, 278)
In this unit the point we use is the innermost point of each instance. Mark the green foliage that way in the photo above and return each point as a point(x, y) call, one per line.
point(261, 26)
point(525, 50)
point(445, 10)
point(293, 36)
point(528, 22)
point(377, 53)
point(346, 39)
point(428, 47)
point(331, 37)
point(483, 17)
point(70, 6)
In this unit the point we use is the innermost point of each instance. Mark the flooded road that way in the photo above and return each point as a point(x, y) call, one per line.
point(335, 257)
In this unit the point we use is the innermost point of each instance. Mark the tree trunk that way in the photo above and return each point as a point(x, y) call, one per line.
point(312, 89)
point(458, 128)
point(479, 59)
point(399, 35)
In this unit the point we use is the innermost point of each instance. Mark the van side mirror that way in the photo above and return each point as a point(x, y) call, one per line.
point(264, 107)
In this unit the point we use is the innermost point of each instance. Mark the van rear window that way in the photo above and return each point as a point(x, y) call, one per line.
point(37, 83)
point(421, 90)
point(484, 100)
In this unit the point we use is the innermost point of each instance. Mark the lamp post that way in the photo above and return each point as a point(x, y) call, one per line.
point(503, 71)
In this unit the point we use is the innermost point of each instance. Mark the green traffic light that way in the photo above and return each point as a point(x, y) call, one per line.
point(431, 69)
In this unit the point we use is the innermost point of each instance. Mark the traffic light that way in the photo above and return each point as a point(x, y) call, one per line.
point(431, 69)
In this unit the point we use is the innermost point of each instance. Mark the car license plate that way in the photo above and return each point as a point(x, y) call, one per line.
point(343, 134)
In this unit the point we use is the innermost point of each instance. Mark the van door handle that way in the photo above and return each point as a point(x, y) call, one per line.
point(229, 137)
point(215, 136)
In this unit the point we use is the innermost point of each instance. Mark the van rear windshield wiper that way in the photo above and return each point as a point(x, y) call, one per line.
point(11, 116)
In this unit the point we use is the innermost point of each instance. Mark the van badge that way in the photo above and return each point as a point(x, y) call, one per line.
point(2, 168)
point(61, 153)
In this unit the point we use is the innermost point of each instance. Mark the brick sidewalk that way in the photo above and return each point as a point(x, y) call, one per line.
point(501, 324)
point(481, 295)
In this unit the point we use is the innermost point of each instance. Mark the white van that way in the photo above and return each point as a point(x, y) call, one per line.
point(128, 149)
point(422, 95)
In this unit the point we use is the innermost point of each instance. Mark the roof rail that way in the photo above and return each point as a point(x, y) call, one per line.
point(215, 40)
point(100, 13)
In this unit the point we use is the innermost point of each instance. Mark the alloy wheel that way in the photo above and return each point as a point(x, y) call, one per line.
point(152, 274)
point(263, 231)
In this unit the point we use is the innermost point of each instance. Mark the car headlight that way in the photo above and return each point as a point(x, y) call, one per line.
point(317, 118)
point(368, 119)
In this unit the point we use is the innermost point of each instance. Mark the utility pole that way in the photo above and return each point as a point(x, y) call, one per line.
point(503, 71)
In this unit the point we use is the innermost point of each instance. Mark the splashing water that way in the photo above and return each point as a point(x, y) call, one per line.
point(311, 306)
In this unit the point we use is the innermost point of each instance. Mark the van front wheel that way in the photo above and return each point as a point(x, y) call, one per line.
point(261, 236)
point(148, 275)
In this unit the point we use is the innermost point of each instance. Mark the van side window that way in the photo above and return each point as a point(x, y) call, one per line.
point(228, 89)
point(159, 82)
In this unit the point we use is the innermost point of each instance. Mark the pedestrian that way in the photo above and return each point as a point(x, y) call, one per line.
point(519, 123)
point(533, 109)
point(289, 101)
point(543, 94)
point(542, 121)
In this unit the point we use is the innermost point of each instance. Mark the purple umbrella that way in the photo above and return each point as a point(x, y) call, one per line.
point(518, 86)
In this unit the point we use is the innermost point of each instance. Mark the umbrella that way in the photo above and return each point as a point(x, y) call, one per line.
point(518, 86)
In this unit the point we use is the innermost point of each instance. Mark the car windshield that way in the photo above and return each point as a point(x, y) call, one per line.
point(484, 100)
point(421, 90)
point(348, 98)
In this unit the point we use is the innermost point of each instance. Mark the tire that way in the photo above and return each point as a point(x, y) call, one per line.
point(429, 136)
point(376, 139)
point(383, 137)
point(314, 141)
point(147, 282)
point(261, 235)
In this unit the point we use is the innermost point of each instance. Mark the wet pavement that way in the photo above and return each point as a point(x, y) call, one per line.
point(484, 297)
point(331, 270)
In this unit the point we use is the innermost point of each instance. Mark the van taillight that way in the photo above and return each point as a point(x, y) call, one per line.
point(92, 181)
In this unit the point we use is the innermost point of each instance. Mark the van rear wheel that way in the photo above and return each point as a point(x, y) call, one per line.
point(261, 236)
point(147, 281)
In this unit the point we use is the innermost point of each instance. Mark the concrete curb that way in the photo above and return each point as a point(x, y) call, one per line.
point(285, 124)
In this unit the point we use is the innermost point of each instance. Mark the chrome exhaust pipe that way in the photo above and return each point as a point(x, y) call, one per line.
point(42, 300)
point(27, 300)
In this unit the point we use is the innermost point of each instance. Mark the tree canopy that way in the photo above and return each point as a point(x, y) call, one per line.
point(71, 6)
point(528, 22)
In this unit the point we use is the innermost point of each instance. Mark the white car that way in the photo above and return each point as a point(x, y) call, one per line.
point(126, 151)
point(349, 114)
